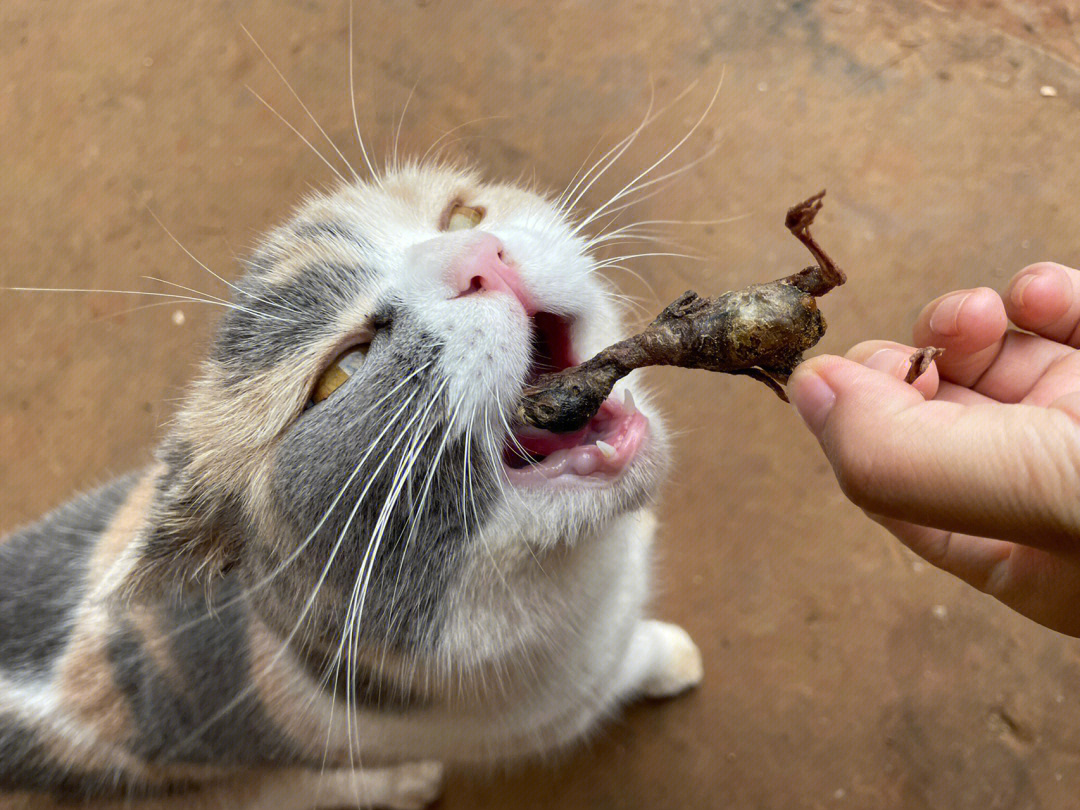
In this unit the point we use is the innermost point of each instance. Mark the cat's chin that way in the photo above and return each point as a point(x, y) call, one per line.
point(598, 455)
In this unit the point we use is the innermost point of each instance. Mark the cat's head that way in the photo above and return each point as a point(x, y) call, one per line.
point(354, 414)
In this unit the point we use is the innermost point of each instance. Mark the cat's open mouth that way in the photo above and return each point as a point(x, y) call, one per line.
point(599, 452)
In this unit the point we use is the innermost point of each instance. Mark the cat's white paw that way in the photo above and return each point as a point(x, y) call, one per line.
point(416, 785)
point(679, 667)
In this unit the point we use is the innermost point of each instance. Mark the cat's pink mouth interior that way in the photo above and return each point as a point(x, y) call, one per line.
point(599, 452)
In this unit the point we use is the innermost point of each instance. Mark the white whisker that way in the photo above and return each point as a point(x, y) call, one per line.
point(352, 99)
point(605, 209)
point(634, 273)
point(620, 148)
point(401, 120)
point(298, 133)
point(605, 162)
point(213, 299)
point(303, 106)
point(452, 130)
point(172, 296)
point(641, 175)
point(192, 256)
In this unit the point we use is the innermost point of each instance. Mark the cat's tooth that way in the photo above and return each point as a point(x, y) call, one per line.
point(628, 402)
point(606, 449)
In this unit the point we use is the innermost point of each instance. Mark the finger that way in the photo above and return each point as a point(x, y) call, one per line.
point(970, 326)
point(1044, 298)
point(972, 559)
point(1040, 585)
point(1059, 379)
point(1003, 471)
point(894, 359)
point(1004, 365)
point(1021, 365)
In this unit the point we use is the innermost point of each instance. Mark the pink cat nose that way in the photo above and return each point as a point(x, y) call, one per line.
point(482, 267)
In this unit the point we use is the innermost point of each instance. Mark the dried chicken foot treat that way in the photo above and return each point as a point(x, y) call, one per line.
point(760, 331)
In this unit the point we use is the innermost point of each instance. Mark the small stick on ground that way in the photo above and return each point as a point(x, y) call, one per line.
point(920, 363)
point(760, 331)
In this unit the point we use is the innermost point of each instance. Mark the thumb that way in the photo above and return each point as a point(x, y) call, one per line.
point(1005, 471)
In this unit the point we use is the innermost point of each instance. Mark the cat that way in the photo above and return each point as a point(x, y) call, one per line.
point(346, 566)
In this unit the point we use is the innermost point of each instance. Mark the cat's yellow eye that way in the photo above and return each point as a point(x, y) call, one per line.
point(339, 372)
point(460, 217)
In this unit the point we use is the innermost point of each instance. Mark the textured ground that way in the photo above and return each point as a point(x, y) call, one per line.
point(841, 672)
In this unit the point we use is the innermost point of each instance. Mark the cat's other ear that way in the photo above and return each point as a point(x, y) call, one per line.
point(192, 534)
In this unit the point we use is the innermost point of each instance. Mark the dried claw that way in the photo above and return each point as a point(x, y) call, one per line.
point(920, 362)
point(770, 380)
point(815, 280)
point(801, 216)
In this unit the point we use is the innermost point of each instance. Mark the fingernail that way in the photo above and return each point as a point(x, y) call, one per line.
point(1017, 293)
point(887, 360)
point(813, 398)
point(945, 317)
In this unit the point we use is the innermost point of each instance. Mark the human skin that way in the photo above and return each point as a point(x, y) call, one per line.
point(976, 466)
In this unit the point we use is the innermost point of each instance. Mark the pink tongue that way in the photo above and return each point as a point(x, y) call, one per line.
point(544, 443)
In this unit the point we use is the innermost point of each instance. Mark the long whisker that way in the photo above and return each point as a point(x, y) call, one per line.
point(346, 632)
point(632, 227)
point(407, 458)
point(401, 120)
point(619, 149)
point(631, 302)
point(300, 101)
point(606, 161)
point(173, 296)
point(452, 130)
point(606, 210)
point(670, 254)
point(350, 638)
point(641, 175)
point(418, 510)
point(298, 134)
point(351, 632)
point(632, 272)
point(336, 664)
point(213, 299)
point(208, 297)
point(352, 99)
point(238, 290)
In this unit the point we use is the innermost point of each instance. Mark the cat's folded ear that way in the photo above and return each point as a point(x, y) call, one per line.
point(192, 534)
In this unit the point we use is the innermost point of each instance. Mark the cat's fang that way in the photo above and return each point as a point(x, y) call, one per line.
point(605, 448)
point(628, 402)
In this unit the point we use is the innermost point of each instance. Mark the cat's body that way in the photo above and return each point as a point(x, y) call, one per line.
point(339, 573)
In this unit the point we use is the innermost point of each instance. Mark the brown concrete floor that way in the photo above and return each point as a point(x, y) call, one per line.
point(841, 672)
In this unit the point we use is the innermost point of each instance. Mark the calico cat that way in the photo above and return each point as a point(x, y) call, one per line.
point(347, 566)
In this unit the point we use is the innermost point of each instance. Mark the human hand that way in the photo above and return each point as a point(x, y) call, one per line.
point(978, 470)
